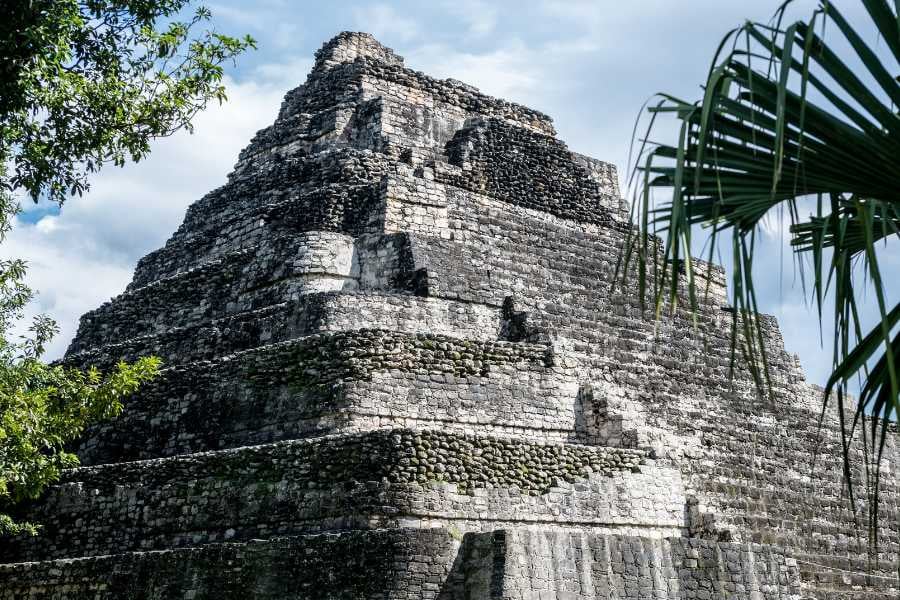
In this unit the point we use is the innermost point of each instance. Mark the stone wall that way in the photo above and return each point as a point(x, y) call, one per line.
point(668, 385)
point(381, 478)
point(318, 312)
point(544, 564)
point(526, 168)
point(348, 381)
point(423, 564)
point(398, 564)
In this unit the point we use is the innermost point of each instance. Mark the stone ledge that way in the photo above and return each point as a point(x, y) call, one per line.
point(335, 481)
point(339, 381)
point(287, 268)
point(422, 564)
point(315, 313)
point(528, 169)
point(352, 564)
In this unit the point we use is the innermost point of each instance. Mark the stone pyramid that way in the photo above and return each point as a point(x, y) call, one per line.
point(397, 368)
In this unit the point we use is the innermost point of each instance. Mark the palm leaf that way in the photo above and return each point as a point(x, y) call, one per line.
point(756, 143)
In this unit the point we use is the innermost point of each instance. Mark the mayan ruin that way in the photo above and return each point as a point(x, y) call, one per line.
point(397, 367)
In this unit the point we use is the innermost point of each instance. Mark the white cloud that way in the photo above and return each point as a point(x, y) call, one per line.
point(479, 17)
point(384, 22)
point(255, 19)
point(47, 225)
point(289, 74)
point(511, 71)
point(69, 284)
point(284, 35)
point(264, 21)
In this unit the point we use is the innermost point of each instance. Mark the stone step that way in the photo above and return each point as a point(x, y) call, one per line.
point(433, 563)
point(570, 295)
point(231, 215)
point(842, 592)
point(188, 297)
point(530, 169)
point(205, 340)
point(314, 313)
point(393, 199)
point(290, 267)
point(343, 206)
point(579, 256)
point(344, 381)
point(464, 269)
point(337, 208)
point(350, 564)
point(384, 478)
point(428, 107)
point(824, 571)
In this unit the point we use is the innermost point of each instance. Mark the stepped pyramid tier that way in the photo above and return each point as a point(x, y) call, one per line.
point(397, 368)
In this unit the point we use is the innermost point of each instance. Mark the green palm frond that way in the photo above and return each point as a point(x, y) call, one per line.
point(785, 116)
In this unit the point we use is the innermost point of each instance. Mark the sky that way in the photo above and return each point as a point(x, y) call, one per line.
point(590, 65)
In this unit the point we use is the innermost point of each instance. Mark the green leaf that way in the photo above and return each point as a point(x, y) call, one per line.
point(754, 145)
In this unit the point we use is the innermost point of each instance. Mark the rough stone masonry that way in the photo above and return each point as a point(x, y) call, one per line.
point(396, 368)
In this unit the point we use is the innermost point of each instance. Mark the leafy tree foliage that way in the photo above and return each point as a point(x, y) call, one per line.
point(83, 83)
point(89, 82)
point(788, 115)
point(44, 407)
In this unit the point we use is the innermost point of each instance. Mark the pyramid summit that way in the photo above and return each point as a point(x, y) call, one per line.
point(396, 368)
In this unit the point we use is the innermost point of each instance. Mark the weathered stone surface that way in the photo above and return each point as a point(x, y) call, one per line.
point(421, 564)
point(377, 479)
point(397, 367)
